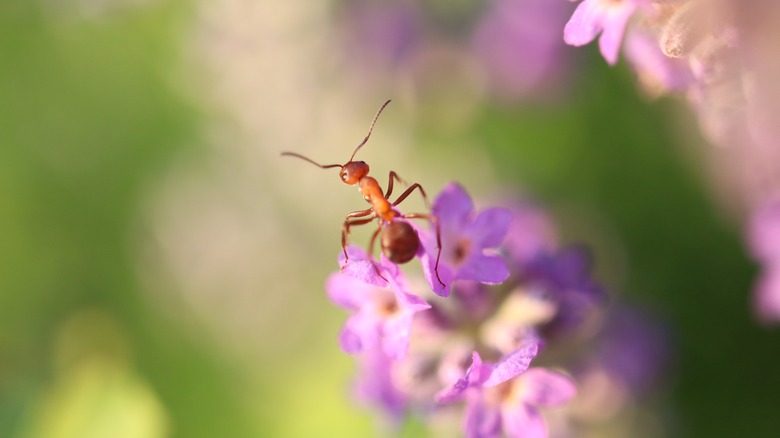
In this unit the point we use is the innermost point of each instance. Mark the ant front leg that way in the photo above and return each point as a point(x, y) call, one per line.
point(435, 221)
point(345, 233)
point(409, 191)
point(395, 176)
point(347, 224)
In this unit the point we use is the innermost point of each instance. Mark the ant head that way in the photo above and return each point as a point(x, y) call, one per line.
point(353, 171)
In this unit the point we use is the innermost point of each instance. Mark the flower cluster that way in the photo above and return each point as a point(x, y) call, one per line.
point(510, 294)
point(722, 55)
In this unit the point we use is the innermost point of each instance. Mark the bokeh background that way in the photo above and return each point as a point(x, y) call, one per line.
point(162, 267)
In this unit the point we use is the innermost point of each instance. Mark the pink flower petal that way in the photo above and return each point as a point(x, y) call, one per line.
point(614, 27)
point(490, 227)
point(513, 364)
point(473, 377)
point(395, 339)
point(427, 255)
point(375, 384)
point(488, 269)
point(584, 25)
point(482, 421)
point(346, 291)
point(764, 231)
point(542, 387)
point(523, 421)
point(412, 303)
point(453, 205)
point(361, 266)
point(350, 337)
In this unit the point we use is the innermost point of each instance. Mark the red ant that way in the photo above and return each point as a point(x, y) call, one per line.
point(399, 241)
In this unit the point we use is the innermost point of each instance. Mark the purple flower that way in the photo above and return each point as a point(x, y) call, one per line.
point(506, 396)
point(605, 17)
point(485, 375)
point(382, 309)
point(564, 278)
point(466, 239)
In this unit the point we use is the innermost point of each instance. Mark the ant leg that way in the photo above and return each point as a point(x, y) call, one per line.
point(345, 232)
point(359, 213)
point(348, 223)
point(408, 191)
point(395, 176)
point(373, 239)
point(371, 251)
point(431, 218)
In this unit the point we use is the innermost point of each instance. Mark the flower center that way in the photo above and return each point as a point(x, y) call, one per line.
point(386, 304)
point(461, 251)
point(500, 394)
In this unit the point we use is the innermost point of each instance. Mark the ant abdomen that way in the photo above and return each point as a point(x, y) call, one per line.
point(399, 242)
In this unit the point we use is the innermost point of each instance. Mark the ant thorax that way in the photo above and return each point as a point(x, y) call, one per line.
point(372, 193)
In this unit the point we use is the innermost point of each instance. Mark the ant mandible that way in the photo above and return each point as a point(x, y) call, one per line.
point(399, 241)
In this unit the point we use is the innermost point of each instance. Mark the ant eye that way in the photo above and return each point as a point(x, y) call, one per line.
point(344, 176)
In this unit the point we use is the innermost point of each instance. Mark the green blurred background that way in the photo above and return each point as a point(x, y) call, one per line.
point(161, 268)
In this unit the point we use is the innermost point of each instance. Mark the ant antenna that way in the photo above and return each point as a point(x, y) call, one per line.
point(371, 128)
point(293, 154)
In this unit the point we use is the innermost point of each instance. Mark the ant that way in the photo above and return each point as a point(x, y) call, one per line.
point(399, 240)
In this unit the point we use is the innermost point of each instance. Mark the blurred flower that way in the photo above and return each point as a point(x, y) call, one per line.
point(764, 232)
point(564, 278)
point(383, 35)
point(376, 386)
point(531, 232)
point(511, 47)
point(766, 299)
point(620, 368)
point(518, 45)
point(506, 396)
point(632, 348)
point(764, 240)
